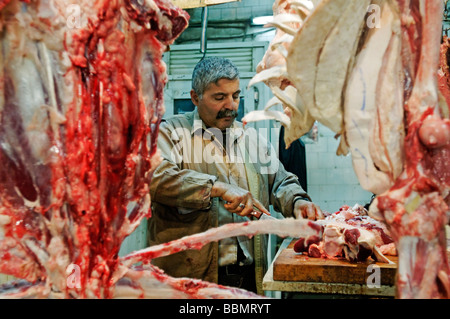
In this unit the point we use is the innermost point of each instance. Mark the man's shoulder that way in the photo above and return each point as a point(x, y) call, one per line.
point(177, 120)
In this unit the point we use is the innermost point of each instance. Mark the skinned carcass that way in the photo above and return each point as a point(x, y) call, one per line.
point(148, 281)
point(415, 206)
point(80, 105)
point(391, 116)
point(289, 16)
point(81, 101)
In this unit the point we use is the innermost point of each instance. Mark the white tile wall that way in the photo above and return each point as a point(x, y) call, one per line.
point(136, 240)
point(332, 181)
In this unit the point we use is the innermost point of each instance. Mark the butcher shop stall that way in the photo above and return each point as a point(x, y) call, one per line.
point(362, 85)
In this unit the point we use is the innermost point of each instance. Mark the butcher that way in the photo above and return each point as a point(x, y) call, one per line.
point(213, 172)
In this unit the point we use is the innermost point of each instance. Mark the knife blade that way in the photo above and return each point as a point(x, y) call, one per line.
point(258, 214)
point(262, 216)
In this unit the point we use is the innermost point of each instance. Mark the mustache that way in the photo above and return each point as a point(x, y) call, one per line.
point(227, 113)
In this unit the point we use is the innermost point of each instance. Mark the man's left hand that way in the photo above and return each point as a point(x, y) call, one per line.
point(308, 210)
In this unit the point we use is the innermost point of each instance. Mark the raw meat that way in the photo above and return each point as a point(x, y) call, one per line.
point(374, 107)
point(348, 233)
point(444, 77)
point(283, 228)
point(81, 101)
point(414, 208)
point(272, 70)
point(394, 120)
point(319, 69)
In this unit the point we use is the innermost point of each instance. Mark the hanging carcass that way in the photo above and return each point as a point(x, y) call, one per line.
point(80, 105)
point(374, 83)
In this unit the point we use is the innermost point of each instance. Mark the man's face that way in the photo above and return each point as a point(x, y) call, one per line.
point(217, 101)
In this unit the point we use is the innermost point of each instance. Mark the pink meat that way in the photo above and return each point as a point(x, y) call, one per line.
point(348, 233)
point(415, 207)
point(80, 110)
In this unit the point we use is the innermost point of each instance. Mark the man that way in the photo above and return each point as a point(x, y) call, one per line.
point(214, 172)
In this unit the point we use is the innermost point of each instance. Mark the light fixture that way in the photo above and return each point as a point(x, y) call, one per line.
point(262, 20)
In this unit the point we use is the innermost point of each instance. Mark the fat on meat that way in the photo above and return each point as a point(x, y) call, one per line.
point(415, 208)
point(289, 17)
point(444, 77)
point(80, 105)
point(374, 108)
point(351, 234)
point(393, 119)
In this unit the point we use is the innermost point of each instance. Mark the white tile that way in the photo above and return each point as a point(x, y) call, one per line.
point(321, 146)
point(317, 176)
point(312, 160)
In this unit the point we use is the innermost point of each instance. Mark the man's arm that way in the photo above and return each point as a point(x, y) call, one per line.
point(286, 194)
point(238, 200)
point(189, 189)
point(290, 198)
point(176, 187)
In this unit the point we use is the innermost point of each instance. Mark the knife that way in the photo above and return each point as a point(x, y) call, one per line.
point(260, 215)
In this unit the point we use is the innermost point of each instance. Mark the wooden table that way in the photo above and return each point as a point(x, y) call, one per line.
point(333, 288)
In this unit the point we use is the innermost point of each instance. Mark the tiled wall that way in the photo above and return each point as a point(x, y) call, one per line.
point(332, 182)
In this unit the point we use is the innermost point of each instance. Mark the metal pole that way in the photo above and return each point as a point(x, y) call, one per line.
point(203, 40)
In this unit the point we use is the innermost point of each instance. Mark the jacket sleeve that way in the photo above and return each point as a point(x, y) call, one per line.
point(284, 187)
point(173, 186)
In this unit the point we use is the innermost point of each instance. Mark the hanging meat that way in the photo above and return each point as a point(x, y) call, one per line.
point(80, 105)
point(374, 82)
point(289, 16)
point(416, 206)
point(81, 100)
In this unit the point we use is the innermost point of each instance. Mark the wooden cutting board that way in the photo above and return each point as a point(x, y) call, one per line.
point(292, 266)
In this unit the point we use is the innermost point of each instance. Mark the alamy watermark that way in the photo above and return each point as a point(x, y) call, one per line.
point(374, 279)
point(236, 146)
point(73, 273)
point(74, 16)
point(374, 18)
point(73, 12)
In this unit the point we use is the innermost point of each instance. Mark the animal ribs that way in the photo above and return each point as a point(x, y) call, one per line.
point(81, 101)
point(389, 113)
point(79, 111)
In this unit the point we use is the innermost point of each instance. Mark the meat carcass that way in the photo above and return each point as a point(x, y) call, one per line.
point(351, 234)
point(391, 117)
point(289, 16)
point(80, 105)
point(415, 208)
point(148, 281)
point(373, 104)
point(81, 101)
point(444, 76)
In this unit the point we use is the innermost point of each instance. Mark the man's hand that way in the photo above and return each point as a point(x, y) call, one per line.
point(306, 209)
point(238, 200)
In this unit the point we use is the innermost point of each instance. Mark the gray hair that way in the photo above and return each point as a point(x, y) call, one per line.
point(211, 70)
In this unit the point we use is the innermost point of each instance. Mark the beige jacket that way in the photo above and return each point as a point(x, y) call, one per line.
point(181, 187)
